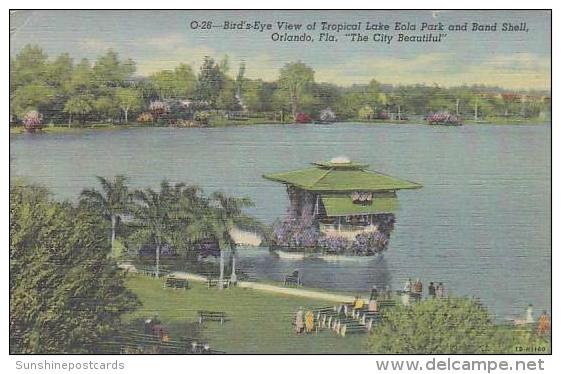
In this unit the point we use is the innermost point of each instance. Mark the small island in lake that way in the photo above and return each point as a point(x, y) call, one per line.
point(336, 207)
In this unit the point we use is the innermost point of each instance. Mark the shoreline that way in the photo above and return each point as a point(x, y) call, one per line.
point(64, 129)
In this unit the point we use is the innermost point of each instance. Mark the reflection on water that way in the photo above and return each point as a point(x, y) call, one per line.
point(345, 274)
point(481, 223)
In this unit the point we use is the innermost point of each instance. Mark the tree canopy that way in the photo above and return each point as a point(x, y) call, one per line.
point(444, 326)
point(66, 295)
point(106, 89)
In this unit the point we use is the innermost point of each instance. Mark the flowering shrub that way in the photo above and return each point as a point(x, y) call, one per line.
point(335, 244)
point(158, 109)
point(370, 243)
point(383, 115)
point(303, 118)
point(33, 121)
point(295, 232)
point(302, 232)
point(145, 118)
point(443, 117)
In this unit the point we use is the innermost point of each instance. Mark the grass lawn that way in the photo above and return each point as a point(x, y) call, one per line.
point(259, 322)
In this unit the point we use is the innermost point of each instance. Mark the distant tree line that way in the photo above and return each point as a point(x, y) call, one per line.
point(63, 91)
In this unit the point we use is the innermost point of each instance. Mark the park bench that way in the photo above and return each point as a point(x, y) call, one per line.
point(173, 282)
point(207, 315)
point(213, 282)
point(350, 326)
point(293, 279)
point(349, 329)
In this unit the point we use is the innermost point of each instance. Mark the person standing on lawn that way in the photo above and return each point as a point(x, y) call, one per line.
point(309, 321)
point(374, 293)
point(432, 290)
point(299, 321)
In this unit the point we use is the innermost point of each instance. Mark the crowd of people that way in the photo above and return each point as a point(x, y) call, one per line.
point(413, 291)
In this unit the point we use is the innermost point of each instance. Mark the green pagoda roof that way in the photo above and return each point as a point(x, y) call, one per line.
point(340, 175)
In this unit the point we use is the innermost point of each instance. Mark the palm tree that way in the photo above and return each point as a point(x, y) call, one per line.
point(152, 214)
point(229, 213)
point(114, 201)
point(166, 216)
point(214, 219)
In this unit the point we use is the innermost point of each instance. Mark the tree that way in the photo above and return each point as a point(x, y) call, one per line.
point(164, 83)
point(179, 83)
point(81, 80)
point(296, 79)
point(253, 95)
point(227, 213)
point(210, 81)
point(28, 66)
point(81, 105)
point(107, 107)
point(109, 71)
point(113, 201)
point(366, 113)
point(154, 215)
point(33, 96)
point(436, 326)
point(128, 99)
point(60, 71)
point(397, 100)
point(66, 295)
point(227, 99)
point(185, 81)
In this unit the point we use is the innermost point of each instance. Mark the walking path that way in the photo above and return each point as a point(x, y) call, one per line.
point(319, 295)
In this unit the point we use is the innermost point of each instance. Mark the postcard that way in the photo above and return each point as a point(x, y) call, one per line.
point(280, 182)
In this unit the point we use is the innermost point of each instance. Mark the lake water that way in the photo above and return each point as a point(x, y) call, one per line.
point(481, 223)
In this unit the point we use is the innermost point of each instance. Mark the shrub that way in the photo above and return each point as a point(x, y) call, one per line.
point(145, 118)
point(33, 121)
point(444, 326)
point(202, 117)
point(443, 117)
point(158, 109)
point(366, 112)
point(303, 118)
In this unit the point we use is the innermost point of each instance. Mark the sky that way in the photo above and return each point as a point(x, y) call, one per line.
point(159, 40)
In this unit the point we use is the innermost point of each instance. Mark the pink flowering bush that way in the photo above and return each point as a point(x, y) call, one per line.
point(158, 109)
point(444, 118)
point(33, 121)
